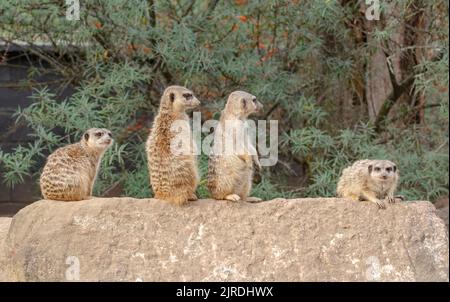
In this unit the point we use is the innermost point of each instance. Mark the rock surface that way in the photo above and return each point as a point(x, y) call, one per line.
point(4, 227)
point(323, 239)
point(443, 209)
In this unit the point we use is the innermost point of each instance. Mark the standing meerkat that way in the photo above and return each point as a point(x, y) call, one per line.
point(230, 174)
point(70, 171)
point(372, 180)
point(173, 176)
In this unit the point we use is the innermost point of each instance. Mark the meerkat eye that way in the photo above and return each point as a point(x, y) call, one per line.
point(187, 96)
point(388, 169)
point(377, 169)
point(395, 168)
point(109, 134)
point(254, 100)
point(98, 134)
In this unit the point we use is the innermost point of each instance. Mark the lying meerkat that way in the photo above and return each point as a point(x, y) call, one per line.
point(173, 177)
point(70, 171)
point(372, 180)
point(230, 175)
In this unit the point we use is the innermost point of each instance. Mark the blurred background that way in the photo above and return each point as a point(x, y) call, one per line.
point(343, 86)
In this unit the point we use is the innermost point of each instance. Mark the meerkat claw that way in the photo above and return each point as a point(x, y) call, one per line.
point(232, 197)
point(390, 199)
point(401, 197)
point(381, 204)
point(193, 197)
point(253, 199)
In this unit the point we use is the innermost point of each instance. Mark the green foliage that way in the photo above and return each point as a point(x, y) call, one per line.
point(298, 57)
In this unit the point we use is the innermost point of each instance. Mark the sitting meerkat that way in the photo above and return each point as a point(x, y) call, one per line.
point(372, 180)
point(70, 171)
point(174, 177)
point(230, 175)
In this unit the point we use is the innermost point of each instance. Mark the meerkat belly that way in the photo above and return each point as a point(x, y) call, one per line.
point(382, 191)
point(234, 168)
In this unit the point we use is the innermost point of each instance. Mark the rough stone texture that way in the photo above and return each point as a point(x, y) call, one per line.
point(443, 209)
point(4, 227)
point(324, 239)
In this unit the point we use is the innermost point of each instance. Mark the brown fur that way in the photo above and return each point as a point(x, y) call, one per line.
point(230, 176)
point(70, 171)
point(173, 177)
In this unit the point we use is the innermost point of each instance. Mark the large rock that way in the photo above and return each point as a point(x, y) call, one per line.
point(4, 227)
point(323, 239)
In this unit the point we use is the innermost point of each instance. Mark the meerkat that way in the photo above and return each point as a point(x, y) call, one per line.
point(370, 180)
point(71, 171)
point(173, 175)
point(230, 175)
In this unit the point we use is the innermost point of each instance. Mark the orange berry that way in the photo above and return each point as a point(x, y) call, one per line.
point(240, 2)
point(243, 18)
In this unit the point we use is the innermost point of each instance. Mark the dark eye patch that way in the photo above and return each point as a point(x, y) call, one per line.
point(187, 96)
point(389, 169)
point(98, 134)
point(378, 169)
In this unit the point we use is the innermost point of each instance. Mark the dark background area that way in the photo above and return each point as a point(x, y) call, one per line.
point(15, 90)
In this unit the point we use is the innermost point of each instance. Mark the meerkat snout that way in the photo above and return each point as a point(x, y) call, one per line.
point(259, 106)
point(191, 101)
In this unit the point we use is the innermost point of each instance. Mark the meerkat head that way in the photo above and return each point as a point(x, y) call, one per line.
point(241, 104)
point(178, 98)
point(382, 170)
point(98, 139)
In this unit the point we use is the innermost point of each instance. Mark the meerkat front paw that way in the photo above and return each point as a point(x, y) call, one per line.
point(390, 199)
point(400, 197)
point(253, 199)
point(233, 197)
point(193, 197)
point(380, 204)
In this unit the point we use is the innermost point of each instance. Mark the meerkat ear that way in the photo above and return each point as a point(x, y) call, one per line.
point(86, 136)
point(172, 97)
point(244, 103)
point(370, 168)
